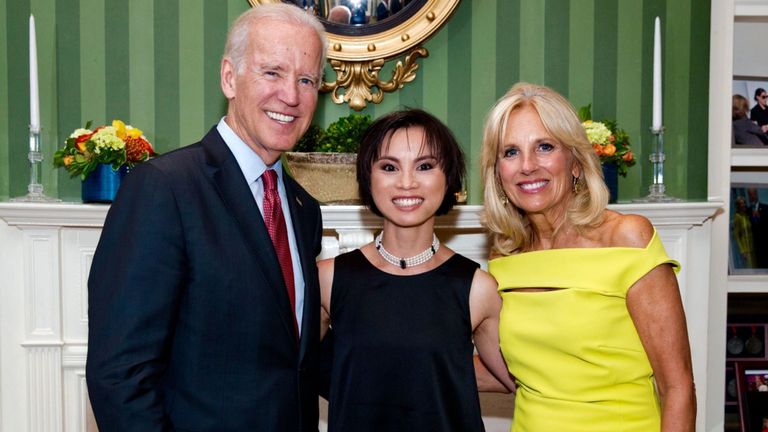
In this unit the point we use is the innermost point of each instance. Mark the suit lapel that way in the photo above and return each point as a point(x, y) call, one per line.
point(300, 217)
point(236, 194)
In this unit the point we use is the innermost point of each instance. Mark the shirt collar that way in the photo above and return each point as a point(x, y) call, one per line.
point(250, 163)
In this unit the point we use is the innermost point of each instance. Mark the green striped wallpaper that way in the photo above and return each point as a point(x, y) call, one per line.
point(155, 64)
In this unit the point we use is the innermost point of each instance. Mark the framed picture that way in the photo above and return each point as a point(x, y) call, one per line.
point(752, 394)
point(747, 117)
point(749, 228)
point(748, 87)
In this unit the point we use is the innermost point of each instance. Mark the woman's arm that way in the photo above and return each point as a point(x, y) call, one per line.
point(484, 305)
point(656, 309)
point(325, 274)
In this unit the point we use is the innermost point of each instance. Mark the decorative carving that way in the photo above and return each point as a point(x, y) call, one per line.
point(44, 396)
point(358, 55)
point(360, 80)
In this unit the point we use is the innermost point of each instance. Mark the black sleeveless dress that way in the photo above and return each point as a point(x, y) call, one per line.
point(402, 358)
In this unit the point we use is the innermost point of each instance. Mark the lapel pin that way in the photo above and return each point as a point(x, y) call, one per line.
point(298, 201)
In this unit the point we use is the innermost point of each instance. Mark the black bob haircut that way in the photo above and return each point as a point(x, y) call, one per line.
point(439, 141)
point(758, 92)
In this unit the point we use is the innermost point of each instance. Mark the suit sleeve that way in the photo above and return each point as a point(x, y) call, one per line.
point(136, 279)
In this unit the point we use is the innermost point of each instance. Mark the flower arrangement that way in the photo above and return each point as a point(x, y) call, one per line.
point(116, 145)
point(611, 143)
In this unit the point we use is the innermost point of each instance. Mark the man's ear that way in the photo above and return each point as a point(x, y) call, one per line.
point(228, 78)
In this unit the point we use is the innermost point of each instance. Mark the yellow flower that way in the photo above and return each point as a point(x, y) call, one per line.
point(119, 128)
point(597, 132)
point(106, 137)
point(124, 131)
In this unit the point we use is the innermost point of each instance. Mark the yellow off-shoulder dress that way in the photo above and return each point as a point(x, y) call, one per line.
point(574, 351)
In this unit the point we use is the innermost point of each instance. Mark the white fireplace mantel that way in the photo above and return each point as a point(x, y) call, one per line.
point(45, 256)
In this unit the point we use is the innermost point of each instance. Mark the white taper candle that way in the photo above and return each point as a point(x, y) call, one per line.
point(34, 94)
point(656, 122)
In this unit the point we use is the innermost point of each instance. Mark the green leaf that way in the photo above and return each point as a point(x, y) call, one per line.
point(585, 113)
point(309, 141)
point(343, 135)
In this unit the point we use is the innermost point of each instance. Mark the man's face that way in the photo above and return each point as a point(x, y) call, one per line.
point(273, 98)
point(752, 194)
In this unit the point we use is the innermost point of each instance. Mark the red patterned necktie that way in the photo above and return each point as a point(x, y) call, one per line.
point(273, 218)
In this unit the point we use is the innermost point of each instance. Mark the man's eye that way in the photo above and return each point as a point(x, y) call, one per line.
point(307, 82)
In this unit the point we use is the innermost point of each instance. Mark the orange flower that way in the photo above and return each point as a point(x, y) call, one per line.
point(598, 149)
point(628, 156)
point(609, 149)
point(137, 149)
point(68, 160)
point(81, 140)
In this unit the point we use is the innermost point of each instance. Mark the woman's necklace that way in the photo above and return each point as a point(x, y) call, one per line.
point(407, 262)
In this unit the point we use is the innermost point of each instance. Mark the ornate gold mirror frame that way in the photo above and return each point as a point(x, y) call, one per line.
point(358, 56)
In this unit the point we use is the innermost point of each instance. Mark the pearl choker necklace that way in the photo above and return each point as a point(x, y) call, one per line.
point(407, 262)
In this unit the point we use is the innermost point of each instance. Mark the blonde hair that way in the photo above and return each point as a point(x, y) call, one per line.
point(238, 38)
point(508, 225)
point(740, 107)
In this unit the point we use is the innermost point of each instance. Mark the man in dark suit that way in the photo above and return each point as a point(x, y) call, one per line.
point(198, 319)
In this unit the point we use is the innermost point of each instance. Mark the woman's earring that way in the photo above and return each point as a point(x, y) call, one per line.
point(502, 196)
point(576, 186)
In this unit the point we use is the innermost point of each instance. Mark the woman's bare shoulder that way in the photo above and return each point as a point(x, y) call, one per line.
point(627, 230)
point(484, 281)
point(325, 264)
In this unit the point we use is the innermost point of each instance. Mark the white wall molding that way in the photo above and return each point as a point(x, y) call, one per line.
point(44, 404)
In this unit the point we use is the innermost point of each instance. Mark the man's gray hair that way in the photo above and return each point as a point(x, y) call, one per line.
point(239, 34)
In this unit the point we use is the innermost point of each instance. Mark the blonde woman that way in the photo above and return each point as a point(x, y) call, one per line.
point(592, 325)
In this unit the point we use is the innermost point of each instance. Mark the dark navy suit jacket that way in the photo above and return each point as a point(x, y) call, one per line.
point(190, 326)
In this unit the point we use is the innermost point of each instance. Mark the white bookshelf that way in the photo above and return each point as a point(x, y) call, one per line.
point(731, 22)
point(751, 8)
point(749, 157)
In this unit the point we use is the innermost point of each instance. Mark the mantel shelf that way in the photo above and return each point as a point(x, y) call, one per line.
point(345, 217)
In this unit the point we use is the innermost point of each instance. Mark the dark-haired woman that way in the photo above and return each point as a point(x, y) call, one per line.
point(405, 309)
point(759, 112)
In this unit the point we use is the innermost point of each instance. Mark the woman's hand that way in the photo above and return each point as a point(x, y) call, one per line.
point(484, 307)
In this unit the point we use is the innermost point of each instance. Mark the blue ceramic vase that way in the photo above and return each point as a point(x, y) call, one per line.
point(101, 185)
point(611, 176)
